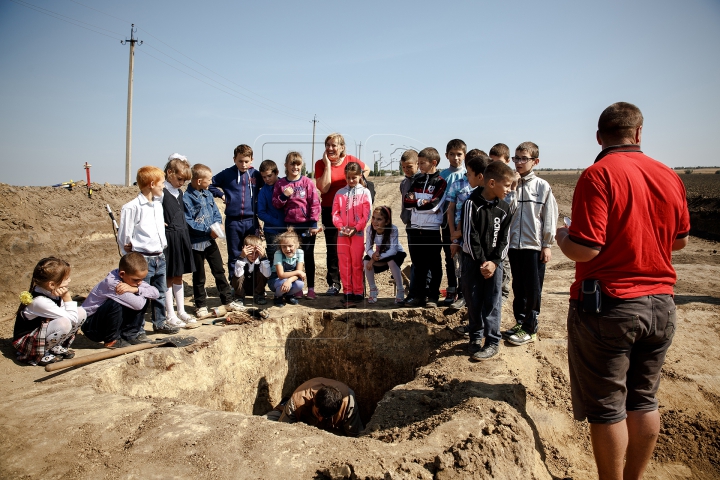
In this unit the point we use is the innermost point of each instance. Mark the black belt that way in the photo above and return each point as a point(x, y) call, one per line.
point(145, 254)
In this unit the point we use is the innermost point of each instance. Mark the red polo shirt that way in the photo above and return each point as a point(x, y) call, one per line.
point(631, 208)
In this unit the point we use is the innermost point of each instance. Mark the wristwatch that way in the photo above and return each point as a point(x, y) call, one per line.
point(456, 241)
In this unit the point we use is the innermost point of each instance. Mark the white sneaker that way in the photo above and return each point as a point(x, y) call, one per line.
point(186, 317)
point(202, 313)
point(235, 306)
point(175, 321)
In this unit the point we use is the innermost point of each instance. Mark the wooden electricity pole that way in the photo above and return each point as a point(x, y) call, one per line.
point(128, 132)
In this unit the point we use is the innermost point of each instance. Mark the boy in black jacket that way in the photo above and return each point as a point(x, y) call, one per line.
point(486, 219)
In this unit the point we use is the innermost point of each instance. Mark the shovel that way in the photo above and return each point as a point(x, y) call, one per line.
point(174, 341)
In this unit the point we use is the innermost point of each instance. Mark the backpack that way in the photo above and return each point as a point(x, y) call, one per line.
point(370, 186)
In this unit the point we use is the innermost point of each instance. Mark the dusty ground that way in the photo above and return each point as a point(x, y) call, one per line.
point(192, 412)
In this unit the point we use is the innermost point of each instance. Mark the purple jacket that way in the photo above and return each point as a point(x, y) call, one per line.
point(106, 290)
point(304, 203)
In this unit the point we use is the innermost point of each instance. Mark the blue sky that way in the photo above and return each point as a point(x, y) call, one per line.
point(387, 74)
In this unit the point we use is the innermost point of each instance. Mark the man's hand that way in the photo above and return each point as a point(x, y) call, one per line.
point(123, 287)
point(545, 255)
point(487, 269)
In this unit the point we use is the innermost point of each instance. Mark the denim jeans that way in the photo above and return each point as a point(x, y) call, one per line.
point(483, 297)
point(156, 278)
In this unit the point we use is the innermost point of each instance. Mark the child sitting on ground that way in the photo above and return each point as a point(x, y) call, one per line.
point(288, 269)
point(486, 219)
point(298, 197)
point(178, 257)
point(382, 237)
point(351, 211)
point(200, 213)
point(47, 319)
point(531, 235)
point(116, 306)
point(252, 270)
point(142, 230)
point(273, 219)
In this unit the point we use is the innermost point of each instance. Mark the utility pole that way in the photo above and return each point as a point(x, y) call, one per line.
point(128, 132)
point(360, 150)
point(312, 158)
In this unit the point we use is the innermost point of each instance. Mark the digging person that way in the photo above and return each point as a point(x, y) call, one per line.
point(323, 403)
point(629, 214)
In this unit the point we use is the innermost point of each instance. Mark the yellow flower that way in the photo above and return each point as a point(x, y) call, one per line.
point(26, 298)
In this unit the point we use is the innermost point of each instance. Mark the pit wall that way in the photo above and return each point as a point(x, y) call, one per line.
point(250, 368)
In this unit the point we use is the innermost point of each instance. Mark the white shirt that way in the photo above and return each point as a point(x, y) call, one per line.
point(241, 262)
point(46, 308)
point(142, 224)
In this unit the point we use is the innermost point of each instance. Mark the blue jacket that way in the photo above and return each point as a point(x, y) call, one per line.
point(240, 196)
point(273, 218)
point(200, 213)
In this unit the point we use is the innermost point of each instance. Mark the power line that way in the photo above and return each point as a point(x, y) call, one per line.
point(65, 18)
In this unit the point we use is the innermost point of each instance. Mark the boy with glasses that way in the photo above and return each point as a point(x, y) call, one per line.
point(531, 234)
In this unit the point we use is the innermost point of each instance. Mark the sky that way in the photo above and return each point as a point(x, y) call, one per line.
point(388, 75)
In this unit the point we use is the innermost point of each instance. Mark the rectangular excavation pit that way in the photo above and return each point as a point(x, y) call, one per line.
point(250, 368)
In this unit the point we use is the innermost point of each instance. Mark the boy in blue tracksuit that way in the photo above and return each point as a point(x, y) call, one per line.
point(273, 218)
point(238, 186)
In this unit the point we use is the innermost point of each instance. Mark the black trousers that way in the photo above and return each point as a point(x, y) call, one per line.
point(112, 321)
point(212, 255)
point(528, 275)
point(331, 236)
point(425, 251)
point(449, 262)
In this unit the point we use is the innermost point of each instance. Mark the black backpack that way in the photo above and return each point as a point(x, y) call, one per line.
point(370, 186)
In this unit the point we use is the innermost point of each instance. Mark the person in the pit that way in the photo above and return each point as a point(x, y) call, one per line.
point(630, 213)
point(330, 177)
point(323, 403)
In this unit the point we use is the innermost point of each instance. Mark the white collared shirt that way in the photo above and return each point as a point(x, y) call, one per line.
point(142, 224)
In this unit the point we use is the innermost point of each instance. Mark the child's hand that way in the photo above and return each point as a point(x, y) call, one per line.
point(288, 191)
point(421, 202)
point(545, 255)
point(286, 286)
point(457, 235)
point(123, 287)
point(455, 249)
point(487, 269)
point(213, 234)
point(246, 251)
point(369, 265)
point(515, 181)
point(260, 251)
point(376, 257)
point(128, 247)
point(410, 196)
point(62, 292)
point(302, 275)
point(315, 231)
point(350, 231)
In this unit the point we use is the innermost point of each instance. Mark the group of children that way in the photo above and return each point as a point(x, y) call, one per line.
point(165, 233)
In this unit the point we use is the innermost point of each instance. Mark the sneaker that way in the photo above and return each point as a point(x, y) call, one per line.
point(119, 343)
point(165, 328)
point(62, 352)
point(138, 340)
point(311, 294)
point(509, 333)
point(235, 306)
point(521, 337)
point(292, 300)
point(202, 313)
point(279, 302)
point(450, 298)
point(458, 304)
point(186, 317)
point(414, 302)
point(47, 359)
point(332, 291)
point(431, 303)
point(488, 351)
point(260, 300)
point(299, 295)
point(175, 322)
point(474, 348)
point(463, 330)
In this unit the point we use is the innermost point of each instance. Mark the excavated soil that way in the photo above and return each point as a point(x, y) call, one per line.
point(195, 412)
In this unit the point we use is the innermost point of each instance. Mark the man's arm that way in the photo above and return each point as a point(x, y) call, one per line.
point(574, 251)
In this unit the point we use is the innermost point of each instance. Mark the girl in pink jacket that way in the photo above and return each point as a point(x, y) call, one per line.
point(351, 211)
point(298, 197)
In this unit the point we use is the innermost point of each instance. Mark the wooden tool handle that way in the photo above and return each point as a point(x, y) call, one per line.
point(94, 357)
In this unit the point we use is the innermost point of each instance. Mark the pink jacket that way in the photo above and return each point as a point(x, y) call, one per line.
point(304, 203)
point(351, 208)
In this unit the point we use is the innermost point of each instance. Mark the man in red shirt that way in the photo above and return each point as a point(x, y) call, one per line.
point(629, 213)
